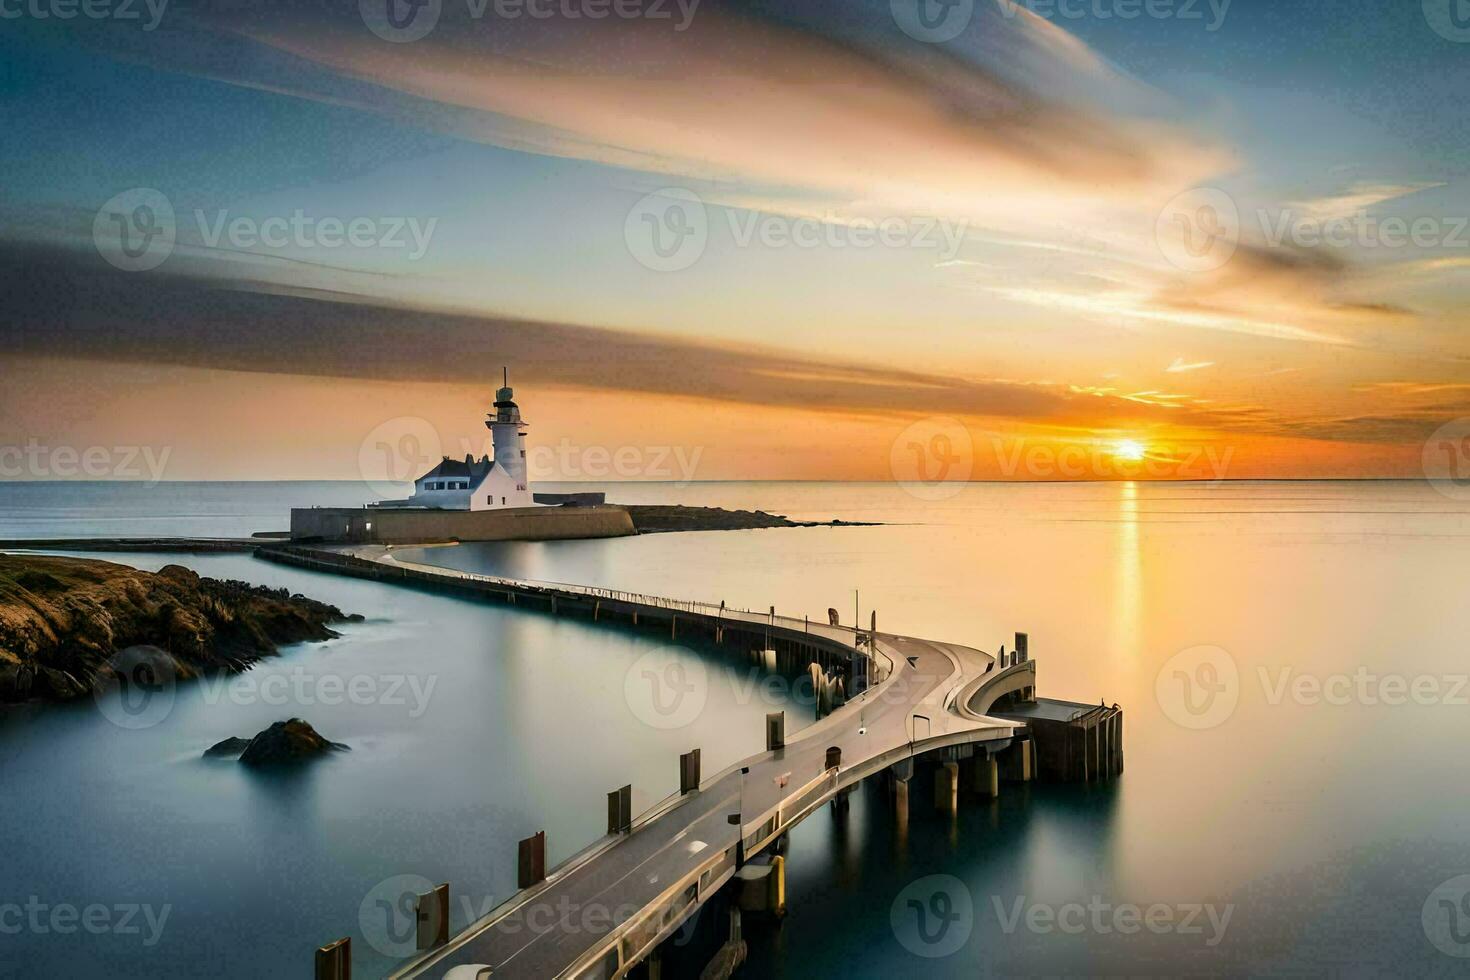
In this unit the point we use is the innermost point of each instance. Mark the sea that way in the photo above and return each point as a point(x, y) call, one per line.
point(1290, 657)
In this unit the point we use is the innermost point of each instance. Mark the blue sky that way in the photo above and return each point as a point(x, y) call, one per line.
point(1026, 167)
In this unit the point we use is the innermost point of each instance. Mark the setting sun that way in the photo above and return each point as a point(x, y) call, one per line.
point(1129, 449)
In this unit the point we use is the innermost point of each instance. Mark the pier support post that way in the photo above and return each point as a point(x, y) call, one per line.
point(985, 776)
point(689, 771)
point(531, 860)
point(901, 801)
point(1019, 761)
point(334, 960)
point(947, 787)
point(775, 731)
point(777, 883)
point(620, 810)
point(431, 911)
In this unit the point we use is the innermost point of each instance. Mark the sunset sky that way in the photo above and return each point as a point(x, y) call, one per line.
point(1235, 233)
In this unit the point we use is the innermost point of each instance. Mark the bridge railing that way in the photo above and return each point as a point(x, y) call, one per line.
point(861, 639)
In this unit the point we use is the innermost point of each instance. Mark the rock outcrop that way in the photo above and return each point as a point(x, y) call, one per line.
point(63, 620)
point(286, 743)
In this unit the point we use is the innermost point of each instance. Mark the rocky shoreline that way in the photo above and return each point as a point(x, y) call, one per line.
point(64, 621)
point(660, 518)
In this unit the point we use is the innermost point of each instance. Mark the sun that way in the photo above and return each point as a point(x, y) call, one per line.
point(1129, 449)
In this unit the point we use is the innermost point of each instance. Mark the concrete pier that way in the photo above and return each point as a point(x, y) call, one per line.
point(923, 699)
point(947, 787)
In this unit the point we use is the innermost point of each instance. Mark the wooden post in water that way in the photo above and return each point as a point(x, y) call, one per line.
point(334, 960)
point(689, 771)
point(432, 914)
point(620, 810)
point(531, 860)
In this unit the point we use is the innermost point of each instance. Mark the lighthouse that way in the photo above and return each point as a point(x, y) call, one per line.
point(508, 434)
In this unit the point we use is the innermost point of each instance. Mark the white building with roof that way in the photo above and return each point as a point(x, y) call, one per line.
point(487, 483)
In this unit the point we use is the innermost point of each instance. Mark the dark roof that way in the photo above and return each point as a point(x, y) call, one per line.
point(457, 467)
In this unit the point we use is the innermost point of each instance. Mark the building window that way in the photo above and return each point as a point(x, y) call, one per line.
point(490, 500)
point(502, 501)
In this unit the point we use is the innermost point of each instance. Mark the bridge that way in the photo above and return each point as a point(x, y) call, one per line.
point(606, 909)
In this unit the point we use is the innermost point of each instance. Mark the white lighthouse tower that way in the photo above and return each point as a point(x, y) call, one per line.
point(506, 484)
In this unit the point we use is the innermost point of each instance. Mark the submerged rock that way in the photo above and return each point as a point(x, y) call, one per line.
point(287, 742)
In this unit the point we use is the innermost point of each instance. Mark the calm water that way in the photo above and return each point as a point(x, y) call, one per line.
point(1313, 808)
